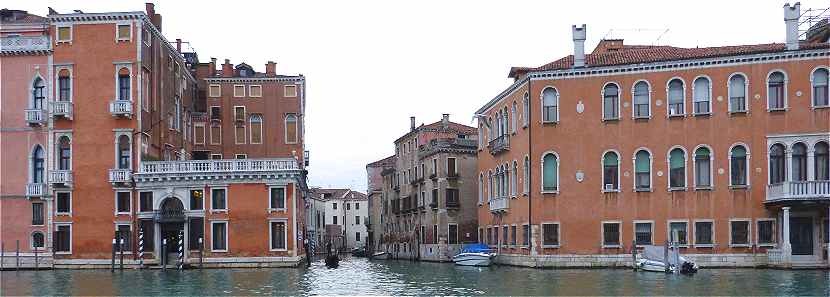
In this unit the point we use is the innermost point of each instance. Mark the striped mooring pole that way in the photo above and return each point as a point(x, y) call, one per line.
point(181, 250)
point(141, 248)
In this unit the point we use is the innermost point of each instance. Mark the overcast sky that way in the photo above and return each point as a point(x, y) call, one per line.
point(370, 65)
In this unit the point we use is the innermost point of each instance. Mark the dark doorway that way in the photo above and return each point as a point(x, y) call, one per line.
point(171, 219)
point(801, 236)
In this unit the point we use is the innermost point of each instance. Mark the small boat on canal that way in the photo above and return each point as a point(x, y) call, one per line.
point(657, 259)
point(380, 256)
point(477, 254)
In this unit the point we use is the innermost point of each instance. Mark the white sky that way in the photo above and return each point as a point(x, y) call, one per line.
point(370, 65)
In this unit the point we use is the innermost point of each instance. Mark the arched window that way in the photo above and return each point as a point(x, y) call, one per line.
point(498, 125)
point(514, 185)
point(38, 169)
point(506, 179)
point(642, 171)
point(550, 105)
point(256, 128)
point(64, 85)
point(677, 168)
point(124, 84)
point(506, 120)
point(610, 171)
point(738, 166)
point(526, 175)
point(480, 188)
point(777, 170)
point(513, 123)
point(291, 131)
point(703, 168)
point(820, 87)
point(491, 185)
point(64, 153)
point(702, 96)
point(525, 108)
point(610, 102)
point(822, 161)
point(641, 100)
point(124, 152)
point(776, 91)
point(37, 240)
point(37, 94)
point(799, 165)
point(676, 97)
point(737, 93)
point(550, 171)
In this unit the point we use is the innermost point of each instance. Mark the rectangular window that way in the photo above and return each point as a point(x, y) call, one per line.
point(334, 220)
point(550, 235)
point(513, 235)
point(739, 233)
point(435, 234)
point(357, 220)
point(239, 113)
point(678, 232)
point(215, 134)
point(218, 199)
point(64, 88)
point(37, 214)
point(703, 233)
point(642, 233)
point(124, 232)
point(525, 235)
point(240, 156)
point(215, 113)
point(215, 91)
point(357, 236)
point(277, 200)
point(255, 91)
point(145, 201)
point(357, 205)
point(278, 236)
point(196, 199)
point(452, 234)
point(216, 156)
point(63, 238)
point(239, 132)
point(348, 206)
point(145, 90)
point(64, 202)
point(122, 200)
point(290, 91)
point(611, 234)
point(452, 199)
point(219, 236)
point(238, 91)
point(256, 131)
point(64, 34)
point(505, 235)
point(124, 32)
point(199, 134)
point(196, 230)
point(451, 169)
point(334, 205)
point(766, 232)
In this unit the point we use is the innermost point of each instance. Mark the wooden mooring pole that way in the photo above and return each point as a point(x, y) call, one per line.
point(634, 254)
point(112, 264)
point(17, 256)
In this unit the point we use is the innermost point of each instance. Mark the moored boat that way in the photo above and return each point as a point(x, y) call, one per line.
point(657, 259)
point(380, 256)
point(474, 255)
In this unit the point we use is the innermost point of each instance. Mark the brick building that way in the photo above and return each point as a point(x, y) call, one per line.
point(428, 197)
point(721, 149)
point(374, 193)
point(114, 86)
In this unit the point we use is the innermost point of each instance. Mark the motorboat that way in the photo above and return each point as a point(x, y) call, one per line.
point(359, 252)
point(380, 256)
point(656, 259)
point(477, 254)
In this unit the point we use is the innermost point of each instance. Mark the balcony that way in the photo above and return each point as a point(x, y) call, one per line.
point(159, 171)
point(448, 145)
point(61, 177)
point(24, 43)
point(499, 204)
point(62, 109)
point(34, 117)
point(499, 144)
point(35, 190)
point(120, 176)
point(812, 190)
point(121, 108)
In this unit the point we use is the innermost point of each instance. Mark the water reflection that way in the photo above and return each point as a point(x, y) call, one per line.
point(362, 277)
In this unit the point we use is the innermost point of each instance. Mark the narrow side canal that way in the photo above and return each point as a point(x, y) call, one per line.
point(358, 276)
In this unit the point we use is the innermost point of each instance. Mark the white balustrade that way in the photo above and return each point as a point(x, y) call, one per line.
point(499, 204)
point(217, 166)
point(120, 175)
point(35, 190)
point(799, 190)
point(62, 108)
point(121, 108)
point(60, 176)
point(34, 116)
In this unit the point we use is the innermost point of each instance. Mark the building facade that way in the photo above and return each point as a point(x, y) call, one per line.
point(428, 197)
point(722, 150)
point(115, 155)
point(345, 215)
point(374, 193)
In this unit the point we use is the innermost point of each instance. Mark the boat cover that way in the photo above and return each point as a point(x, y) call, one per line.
point(656, 253)
point(475, 248)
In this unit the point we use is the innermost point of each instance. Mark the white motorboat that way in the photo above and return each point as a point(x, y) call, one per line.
point(655, 259)
point(474, 255)
point(380, 256)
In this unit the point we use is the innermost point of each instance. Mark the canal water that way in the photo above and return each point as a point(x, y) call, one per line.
point(358, 276)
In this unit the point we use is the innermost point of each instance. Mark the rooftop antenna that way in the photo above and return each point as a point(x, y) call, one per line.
point(810, 17)
point(661, 31)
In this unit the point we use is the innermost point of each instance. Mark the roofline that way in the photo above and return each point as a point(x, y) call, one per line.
point(661, 66)
point(422, 126)
point(285, 78)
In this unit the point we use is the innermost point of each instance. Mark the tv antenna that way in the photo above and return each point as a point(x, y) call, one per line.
point(662, 32)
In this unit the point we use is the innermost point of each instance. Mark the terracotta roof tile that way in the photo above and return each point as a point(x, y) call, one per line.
point(459, 128)
point(388, 161)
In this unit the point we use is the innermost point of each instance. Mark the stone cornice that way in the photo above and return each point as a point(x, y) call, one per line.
point(298, 79)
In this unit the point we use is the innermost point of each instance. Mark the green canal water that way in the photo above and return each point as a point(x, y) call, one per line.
point(362, 277)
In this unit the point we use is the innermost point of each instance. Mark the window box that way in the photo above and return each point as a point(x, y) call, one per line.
point(702, 114)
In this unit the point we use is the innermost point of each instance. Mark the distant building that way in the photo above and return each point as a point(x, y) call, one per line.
point(374, 173)
point(345, 215)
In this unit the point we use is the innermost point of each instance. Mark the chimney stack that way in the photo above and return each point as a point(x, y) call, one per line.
point(579, 34)
point(155, 19)
point(179, 45)
point(227, 68)
point(791, 14)
point(411, 123)
point(445, 120)
point(271, 69)
point(212, 66)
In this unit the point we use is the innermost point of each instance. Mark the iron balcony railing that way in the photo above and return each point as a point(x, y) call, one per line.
point(218, 166)
point(169, 216)
point(60, 176)
point(34, 116)
point(62, 109)
point(799, 190)
point(499, 144)
point(120, 175)
point(35, 190)
point(121, 108)
point(499, 204)
point(447, 143)
point(25, 43)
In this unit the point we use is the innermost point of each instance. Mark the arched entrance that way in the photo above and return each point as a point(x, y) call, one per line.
point(171, 219)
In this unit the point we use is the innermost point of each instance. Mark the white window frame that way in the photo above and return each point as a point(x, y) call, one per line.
point(218, 210)
point(117, 31)
point(211, 134)
point(217, 87)
point(748, 231)
point(285, 91)
point(57, 84)
point(542, 102)
point(525, 174)
point(237, 95)
point(296, 128)
point(237, 156)
point(709, 91)
point(758, 235)
point(558, 235)
point(711, 168)
point(271, 232)
point(729, 92)
point(236, 136)
point(602, 234)
point(196, 139)
point(685, 169)
point(602, 171)
point(251, 91)
point(227, 236)
point(447, 166)
point(514, 179)
point(542, 168)
point(71, 233)
point(633, 106)
point(651, 222)
point(813, 87)
point(525, 109)
point(130, 201)
point(514, 122)
point(284, 198)
point(668, 231)
point(748, 156)
point(59, 213)
point(32, 240)
point(118, 134)
point(213, 155)
point(57, 34)
point(786, 89)
point(682, 113)
point(251, 128)
point(650, 170)
point(602, 101)
point(480, 188)
point(694, 236)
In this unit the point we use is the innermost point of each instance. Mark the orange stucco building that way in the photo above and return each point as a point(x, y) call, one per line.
point(722, 150)
point(117, 147)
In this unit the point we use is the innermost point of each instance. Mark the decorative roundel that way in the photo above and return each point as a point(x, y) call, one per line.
point(625, 104)
point(658, 102)
point(720, 98)
point(580, 176)
point(757, 96)
point(798, 93)
point(659, 173)
point(721, 171)
point(758, 169)
point(580, 107)
point(625, 174)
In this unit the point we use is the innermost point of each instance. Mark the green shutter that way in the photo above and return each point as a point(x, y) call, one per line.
point(676, 159)
point(610, 159)
point(642, 162)
point(738, 152)
point(550, 167)
point(702, 152)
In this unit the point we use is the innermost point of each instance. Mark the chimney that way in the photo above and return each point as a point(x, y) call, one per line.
point(791, 14)
point(411, 123)
point(445, 120)
point(227, 68)
point(150, 8)
point(212, 70)
point(271, 69)
point(155, 19)
point(179, 45)
point(579, 45)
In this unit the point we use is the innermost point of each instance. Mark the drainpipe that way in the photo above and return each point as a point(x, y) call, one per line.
point(529, 155)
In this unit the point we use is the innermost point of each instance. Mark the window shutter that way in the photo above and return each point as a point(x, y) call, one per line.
point(550, 168)
point(737, 86)
point(676, 159)
point(642, 162)
point(610, 159)
point(675, 91)
point(701, 89)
